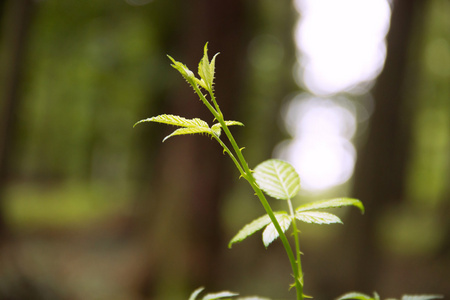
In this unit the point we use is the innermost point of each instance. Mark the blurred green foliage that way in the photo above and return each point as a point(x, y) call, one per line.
point(95, 67)
point(64, 207)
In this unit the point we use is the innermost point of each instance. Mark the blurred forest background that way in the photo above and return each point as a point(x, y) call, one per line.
point(91, 208)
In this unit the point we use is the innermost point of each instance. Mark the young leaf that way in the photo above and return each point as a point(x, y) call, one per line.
point(277, 178)
point(338, 202)
point(219, 295)
point(191, 126)
point(217, 127)
point(317, 217)
point(206, 70)
point(185, 72)
point(358, 296)
point(252, 298)
point(175, 120)
point(231, 123)
point(421, 297)
point(196, 293)
point(250, 229)
point(270, 233)
point(189, 130)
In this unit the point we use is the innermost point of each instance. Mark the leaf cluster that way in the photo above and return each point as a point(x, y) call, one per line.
point(224, 295)
point(360, 296)
point(280, 180)
point(206, 71)
point(189, 126)
point(274, 177)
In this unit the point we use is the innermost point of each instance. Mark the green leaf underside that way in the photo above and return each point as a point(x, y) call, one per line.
point(219, 295)
point(270, 233)
point(317, 217)
point(196, 293)
point(191, 130)
point(277, 178)
point(323, 204)
point(358, 296)
point(250, 229)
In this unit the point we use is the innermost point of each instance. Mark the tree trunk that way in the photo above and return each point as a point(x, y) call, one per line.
point(192, 174)
point(380, 169)
point(17, 20)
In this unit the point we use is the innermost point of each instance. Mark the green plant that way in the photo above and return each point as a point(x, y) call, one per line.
point(359, 296)
point(274, 177)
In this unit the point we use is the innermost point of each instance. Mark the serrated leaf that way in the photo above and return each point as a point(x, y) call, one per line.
point(184, 71)
point(270, 233)
point(250, 229)
point(219, 295)
point(338, 202)
point(189, 130)
point(216, 128)
point(317, 217)
point(176, 121)
point(421, 297)
point(206, 70)
point(231, 123)
point(196, 293)
point(355, 296)
point(252, 298)
point(190, 126)
point(277, 178)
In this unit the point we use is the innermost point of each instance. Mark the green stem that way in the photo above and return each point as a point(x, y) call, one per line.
point(268, 209)
point(284, 240)
point(297, 243)
point(206, 102)
point(233, 158)
point(247, 174)
point(213, 99)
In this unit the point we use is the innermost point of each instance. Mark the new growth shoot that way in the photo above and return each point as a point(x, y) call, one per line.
point(276, 178)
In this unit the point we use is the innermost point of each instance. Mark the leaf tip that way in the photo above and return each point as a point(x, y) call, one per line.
point(141, 121)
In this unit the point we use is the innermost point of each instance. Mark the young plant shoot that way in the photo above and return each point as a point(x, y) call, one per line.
point(274, 177)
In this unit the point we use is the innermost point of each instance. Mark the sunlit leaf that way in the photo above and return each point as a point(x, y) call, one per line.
point(219, 295)
point(189, 130)
point(317, 217)
point(216, 128)
point(357, 296)
point(277, 178)
point(196, 293)
point(252, 298)
point(190, 126)
point(176, 121)
point(184, 71)
point(206, 70)
point(231, 123)
point(338, 202)
point(270, 233)
point(250, 229)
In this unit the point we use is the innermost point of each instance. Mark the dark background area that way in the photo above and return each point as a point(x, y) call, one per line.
point(91, 208)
